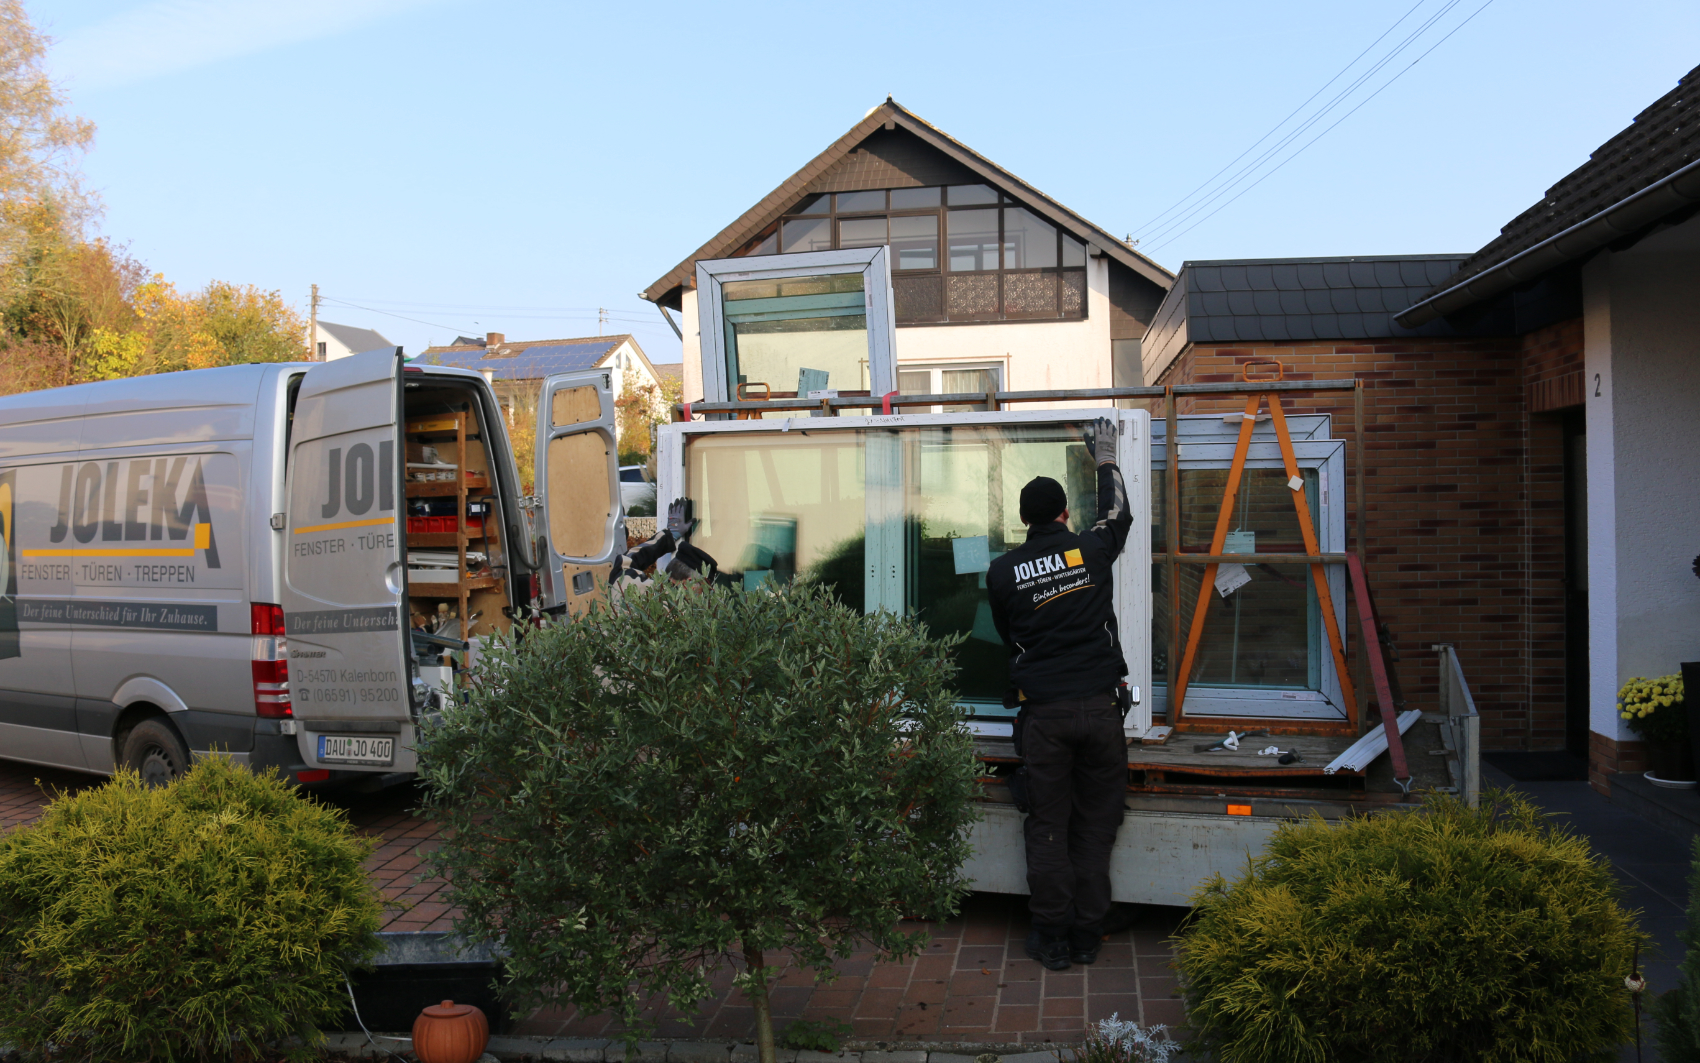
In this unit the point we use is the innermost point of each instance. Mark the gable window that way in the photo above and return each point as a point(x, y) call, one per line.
point(782, 327)
point(961, 253)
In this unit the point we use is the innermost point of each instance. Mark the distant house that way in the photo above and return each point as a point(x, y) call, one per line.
point(339, 341)
point(994, 284)
point(516, 369)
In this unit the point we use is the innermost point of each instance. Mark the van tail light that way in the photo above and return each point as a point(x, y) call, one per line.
point(270, 663)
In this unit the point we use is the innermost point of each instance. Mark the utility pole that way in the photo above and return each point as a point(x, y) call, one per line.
point(601, 318)
point(313, 328)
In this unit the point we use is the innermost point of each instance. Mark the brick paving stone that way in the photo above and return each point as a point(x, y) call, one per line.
point(974, 978)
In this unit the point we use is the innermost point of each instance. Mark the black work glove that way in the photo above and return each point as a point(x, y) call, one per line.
point(1101, 441)
point(681, 519)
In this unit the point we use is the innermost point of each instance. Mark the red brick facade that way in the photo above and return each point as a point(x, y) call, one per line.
point(1465, 505)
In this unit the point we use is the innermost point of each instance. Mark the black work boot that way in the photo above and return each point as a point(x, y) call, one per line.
point(1048, 945)
point(1083, 942)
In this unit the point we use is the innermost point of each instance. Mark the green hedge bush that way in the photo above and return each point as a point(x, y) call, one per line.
point(209, 919)
point(1441, 934)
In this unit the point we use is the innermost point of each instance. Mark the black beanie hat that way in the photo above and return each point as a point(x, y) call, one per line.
point(1042, 500)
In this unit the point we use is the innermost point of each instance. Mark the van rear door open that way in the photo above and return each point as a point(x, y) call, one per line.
point(578, 478)
point(345, 576)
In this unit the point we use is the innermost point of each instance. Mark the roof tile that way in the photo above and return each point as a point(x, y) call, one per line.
point(1362, 274)
point(1662, 139)
point(1267, 302)
point(1260, 277)
point(1286, 276)
point(1207, 279)
point(1241, 303)
point(1233, 279)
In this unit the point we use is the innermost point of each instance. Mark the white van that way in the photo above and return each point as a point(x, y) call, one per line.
point(245, 559)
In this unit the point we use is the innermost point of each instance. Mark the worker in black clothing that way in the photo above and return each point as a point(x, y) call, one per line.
point(1051, 600)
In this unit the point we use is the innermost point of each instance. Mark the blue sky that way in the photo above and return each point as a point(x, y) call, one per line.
point(512, 166)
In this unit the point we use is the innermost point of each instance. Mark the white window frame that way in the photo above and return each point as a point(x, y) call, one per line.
point(872, 262)
point(1327, 457)
point(935, 375)
point(1131, 571)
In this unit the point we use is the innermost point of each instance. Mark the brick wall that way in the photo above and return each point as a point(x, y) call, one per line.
point(1464, 496)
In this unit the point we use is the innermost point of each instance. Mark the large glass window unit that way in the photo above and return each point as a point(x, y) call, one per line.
point(961, 253)
point(1264, 651)
point(904, 518)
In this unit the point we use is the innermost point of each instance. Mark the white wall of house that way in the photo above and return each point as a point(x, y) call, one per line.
point(1034, 354)
point(1642, 360)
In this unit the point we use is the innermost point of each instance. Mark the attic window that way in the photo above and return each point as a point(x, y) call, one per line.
point(960, 253)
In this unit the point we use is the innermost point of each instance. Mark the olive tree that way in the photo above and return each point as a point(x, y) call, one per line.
point(638, 796)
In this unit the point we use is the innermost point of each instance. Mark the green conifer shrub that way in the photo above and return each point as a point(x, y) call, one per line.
point(1676, 1012)
point(211, 919)
point(1443, 934)
point(637, 796)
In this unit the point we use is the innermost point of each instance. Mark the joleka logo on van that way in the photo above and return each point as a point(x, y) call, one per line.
point(8, 566)
point(140, 501)
point(354, 483)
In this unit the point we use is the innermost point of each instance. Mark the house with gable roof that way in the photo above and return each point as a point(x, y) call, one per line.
point(516, 369)
point(994, 283)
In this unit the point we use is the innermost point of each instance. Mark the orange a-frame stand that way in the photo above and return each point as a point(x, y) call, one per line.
point(1325, 598)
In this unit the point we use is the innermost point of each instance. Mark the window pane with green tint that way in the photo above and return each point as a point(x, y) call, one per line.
point(962, 502)
point(797, 334)
point(782, 506)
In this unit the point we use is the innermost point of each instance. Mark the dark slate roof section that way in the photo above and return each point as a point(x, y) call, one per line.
point(1294, 300)
point(1303, 300)
point(533, 362)
point(1662, 140)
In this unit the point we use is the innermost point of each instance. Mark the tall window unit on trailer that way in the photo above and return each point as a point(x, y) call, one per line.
point(905, 514)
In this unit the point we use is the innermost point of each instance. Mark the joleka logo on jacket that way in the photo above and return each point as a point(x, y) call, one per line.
point(1042, 566)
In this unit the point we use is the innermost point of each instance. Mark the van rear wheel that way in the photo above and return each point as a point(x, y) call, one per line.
point(154, 751)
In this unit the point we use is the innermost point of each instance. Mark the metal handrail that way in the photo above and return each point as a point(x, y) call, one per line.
point(1463, 727)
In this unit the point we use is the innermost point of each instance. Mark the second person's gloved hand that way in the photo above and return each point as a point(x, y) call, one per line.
point(1102, 443)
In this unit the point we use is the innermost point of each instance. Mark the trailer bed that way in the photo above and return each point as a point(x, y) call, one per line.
point(1192, 814)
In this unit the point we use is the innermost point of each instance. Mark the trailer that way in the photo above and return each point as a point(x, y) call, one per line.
point(899, 502)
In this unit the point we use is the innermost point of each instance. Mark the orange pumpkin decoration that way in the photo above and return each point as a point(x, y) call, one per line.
point(450, 1033)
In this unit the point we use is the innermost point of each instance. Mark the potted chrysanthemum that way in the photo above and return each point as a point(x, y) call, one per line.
point(1655, 710)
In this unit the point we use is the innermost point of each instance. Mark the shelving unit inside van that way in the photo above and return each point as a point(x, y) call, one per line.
point(448, 478)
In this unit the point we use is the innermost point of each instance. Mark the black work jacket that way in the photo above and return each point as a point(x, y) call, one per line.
point(1052, 603)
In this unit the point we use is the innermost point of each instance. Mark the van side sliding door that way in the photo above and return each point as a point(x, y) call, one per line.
point(345, 572)
point(578, 480)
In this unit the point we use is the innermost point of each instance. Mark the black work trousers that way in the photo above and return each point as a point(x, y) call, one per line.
point(1076, 759)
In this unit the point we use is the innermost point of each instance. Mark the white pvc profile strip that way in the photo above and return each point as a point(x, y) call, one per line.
point(1363, 752)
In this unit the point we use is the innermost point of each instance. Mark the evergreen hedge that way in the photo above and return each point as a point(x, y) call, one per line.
point(211, 919)
point(1437, 935)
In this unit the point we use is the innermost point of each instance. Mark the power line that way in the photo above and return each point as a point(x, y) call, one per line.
point(1164, 231)
point(1330, 129)
point(386, 313)
point(1342, 73)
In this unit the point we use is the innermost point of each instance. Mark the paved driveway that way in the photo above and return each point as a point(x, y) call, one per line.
point(973, 984)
